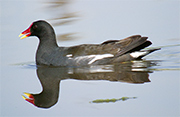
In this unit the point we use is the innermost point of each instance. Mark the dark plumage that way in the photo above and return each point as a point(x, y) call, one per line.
point(50, 79)
point(108, 52)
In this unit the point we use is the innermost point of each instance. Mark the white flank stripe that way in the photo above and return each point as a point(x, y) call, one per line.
point(98, 57)
point(69, 55)
point(79, 58)
point(137, 54)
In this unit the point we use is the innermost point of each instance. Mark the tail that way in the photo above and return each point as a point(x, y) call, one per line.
point(141, 54)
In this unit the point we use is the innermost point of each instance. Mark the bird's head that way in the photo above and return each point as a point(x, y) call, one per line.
point(38, 28)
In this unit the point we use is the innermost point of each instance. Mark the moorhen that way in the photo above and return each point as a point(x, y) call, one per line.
point(50, 79)
point(108, 52)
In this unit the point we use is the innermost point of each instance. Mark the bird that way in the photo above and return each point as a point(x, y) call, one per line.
point(50, 79)
point(109, 52)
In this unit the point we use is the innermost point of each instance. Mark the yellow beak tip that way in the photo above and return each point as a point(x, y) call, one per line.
point(20, 35)
point(24, 37)
point(23, 97)
point(27, 94)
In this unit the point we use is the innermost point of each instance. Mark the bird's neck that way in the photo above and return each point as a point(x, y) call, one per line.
point(48, 41)
point(47, 46)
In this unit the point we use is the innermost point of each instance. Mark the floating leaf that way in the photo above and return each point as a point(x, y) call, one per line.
point(112, 100)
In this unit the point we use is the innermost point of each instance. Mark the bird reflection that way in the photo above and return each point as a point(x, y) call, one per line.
point(50, 77)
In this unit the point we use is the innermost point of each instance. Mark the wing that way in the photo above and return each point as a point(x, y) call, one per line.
point(114, 47)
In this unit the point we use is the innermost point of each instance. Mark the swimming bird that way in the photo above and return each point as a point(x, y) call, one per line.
point(108, 52)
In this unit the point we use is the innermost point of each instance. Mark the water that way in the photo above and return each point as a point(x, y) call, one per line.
point(154, 82)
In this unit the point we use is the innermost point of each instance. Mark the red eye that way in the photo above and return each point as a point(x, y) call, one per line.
point(35, 26)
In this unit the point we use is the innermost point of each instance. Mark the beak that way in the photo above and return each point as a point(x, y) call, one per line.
point(26, 33)
point(28, 97)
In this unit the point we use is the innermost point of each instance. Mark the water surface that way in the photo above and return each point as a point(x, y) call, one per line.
point(78, 22)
